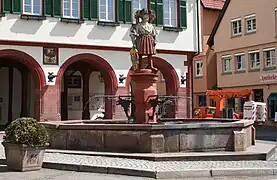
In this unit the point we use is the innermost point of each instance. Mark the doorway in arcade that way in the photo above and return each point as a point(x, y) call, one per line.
point(17, 92)
point(80, 84)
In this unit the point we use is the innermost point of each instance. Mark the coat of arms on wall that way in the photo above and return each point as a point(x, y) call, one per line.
point(50, 56)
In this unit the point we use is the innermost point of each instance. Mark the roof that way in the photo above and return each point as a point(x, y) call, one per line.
point(213, 4)
point(210, 41)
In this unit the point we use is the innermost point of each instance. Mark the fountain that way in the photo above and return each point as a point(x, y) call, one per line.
point(146, 129)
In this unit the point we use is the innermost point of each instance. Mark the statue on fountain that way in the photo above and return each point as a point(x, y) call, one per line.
point(143, 36)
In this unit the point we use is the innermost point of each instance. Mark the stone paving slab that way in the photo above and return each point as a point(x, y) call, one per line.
point(156, 169)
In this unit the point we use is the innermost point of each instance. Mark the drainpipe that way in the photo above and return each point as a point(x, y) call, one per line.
point(197, 53)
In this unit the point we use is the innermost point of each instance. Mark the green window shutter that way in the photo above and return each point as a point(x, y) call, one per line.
point(48, 7)
point(57, 10)
point(86, 9)
point(154, 8)
point(128, 9)
point(121, 10)
point(157, 6)
point(153, 5)
point(160, 12)
point(94, 9)
point(124, 11)
point(16, 6)
point(7, 6)
point(183, 13)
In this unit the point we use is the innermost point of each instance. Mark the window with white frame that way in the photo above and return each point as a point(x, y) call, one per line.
point(240, 62)
point(71, 8)
point(199, 68)
point(254, 58)
point(137, 5)
point(250, 23)
point(269, 57)
point(227, 64)
point(170, 13)
point(32, 7)
point(106, 10)
point(236, 27)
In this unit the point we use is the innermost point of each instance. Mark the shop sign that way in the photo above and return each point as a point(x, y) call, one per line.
point(268, 77)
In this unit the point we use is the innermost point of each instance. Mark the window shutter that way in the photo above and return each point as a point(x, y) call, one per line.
point(7, 5)
point(121, 10)
point(160, 12)
point(57, 10)
point(94, 9)
point(183, 13)
point(16, 6)
point(124, 11)
point(153, 5)
point(48, 7)
point(86, 9)
point(157, 6)
point(128, 10)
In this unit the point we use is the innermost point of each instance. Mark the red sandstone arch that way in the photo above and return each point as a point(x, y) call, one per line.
point(108, 75)
point(34, 67)
point(169, 73)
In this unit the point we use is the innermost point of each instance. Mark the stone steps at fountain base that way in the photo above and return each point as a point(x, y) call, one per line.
point(261, 151)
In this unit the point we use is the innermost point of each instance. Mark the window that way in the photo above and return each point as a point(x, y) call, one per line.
point(276, 22)
point(138, 5)
point(198, 68)
point(170, 13)
point(236, 27)
point(32, 7)
point(250, 23)
point(71, 8)
point(269, 57)
point(202, 100)
point(254, 58)
point(106, 10)
point(240, 62)
point(227, 65)
point(74, 81)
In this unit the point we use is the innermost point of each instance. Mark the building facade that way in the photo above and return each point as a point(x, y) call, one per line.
point(55, 55)
point(204, 65)
point(244, 40)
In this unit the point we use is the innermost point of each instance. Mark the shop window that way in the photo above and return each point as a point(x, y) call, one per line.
point(212, 103)
point(258, 95)
point(272, 105)
point(202, 100)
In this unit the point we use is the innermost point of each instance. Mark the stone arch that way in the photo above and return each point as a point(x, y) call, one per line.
point(34, 67)
point(108, 75)
point(169, 73)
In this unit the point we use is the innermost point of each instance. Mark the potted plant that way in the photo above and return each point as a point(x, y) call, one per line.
point(25, 141)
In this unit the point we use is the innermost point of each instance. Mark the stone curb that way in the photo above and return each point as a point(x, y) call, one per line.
point(100, 169)
point(250, 172)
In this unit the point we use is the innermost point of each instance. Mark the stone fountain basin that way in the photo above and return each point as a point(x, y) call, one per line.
point(177, 135)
